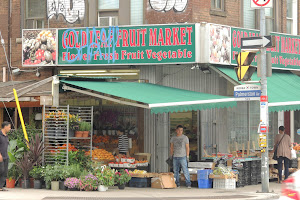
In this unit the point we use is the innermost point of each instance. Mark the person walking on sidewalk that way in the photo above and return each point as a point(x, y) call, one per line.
point(5, 128)
point(283, 152)
point(180, 150)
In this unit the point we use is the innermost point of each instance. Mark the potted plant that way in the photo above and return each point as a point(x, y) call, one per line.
point(106, 178)
point(65, 173)
point(72, 183)
point(121, 178)
point(25, 165)
point(86, 128)
point(13, 175)
point(88, 183)
point(52, 175)
point(37, 174)
point(79, 132)
point(74, 121)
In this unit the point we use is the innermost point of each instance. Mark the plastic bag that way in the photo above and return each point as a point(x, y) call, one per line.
point(294, 154)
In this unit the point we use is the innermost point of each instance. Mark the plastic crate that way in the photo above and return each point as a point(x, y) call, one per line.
point(139, 182)
point(224, 184)
point(294, 163)
point(203, 174)
point(204, 183)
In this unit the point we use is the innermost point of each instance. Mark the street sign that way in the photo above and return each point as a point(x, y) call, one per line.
point(247, 92)
point(258, 42)
point(261, 4)
point(262, 140)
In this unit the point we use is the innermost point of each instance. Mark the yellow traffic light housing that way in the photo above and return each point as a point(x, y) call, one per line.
point(244, 71)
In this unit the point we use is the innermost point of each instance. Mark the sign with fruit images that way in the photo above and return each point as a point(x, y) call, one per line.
point(39, 47)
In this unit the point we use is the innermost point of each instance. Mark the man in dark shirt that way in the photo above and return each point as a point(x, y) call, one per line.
point(5, 128)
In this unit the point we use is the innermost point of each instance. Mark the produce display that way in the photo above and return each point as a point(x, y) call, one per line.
point(222, 170)
point(101, 139)
point(138, 172)
point(71, 147)
point(122, 164)
point(101, 154)
point(39, 47)
point(296, 147)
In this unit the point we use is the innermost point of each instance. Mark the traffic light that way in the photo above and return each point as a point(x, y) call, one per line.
point(244, 71)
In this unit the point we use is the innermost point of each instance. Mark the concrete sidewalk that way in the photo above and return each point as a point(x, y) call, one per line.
point(248, 192)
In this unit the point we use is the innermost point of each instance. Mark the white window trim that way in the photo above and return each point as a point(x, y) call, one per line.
point(222, 2)
point(36, 21)
point(110, 20)
point(294, 18)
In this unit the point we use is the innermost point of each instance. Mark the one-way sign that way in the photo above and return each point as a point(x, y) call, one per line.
point(267, 41)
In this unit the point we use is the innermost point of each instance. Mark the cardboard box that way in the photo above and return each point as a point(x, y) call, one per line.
point(193, 177)
point(164, 181)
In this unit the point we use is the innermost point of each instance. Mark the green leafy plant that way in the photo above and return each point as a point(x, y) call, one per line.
point(36, 172)
point(52, 173)
point(14, 173)
point(75, 170)
point(85, 126)
point(74, 121)
point(16, 149)
point(106, 176)
point(79, 157)
point(122, 177)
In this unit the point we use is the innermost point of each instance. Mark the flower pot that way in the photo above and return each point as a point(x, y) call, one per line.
point(85, 134)
point(55, 185)
point(10, 183)
point(62, 185)
point(121, 187)
point(25, 184)
point(37, 184)
point(73, 189)
point(31, 181)
point(71, 133)
point(78, 133)
point(102, 188)
point(103, 132)
point(109, 132)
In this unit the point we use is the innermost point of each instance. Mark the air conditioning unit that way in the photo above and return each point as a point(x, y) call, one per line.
point(108, 21)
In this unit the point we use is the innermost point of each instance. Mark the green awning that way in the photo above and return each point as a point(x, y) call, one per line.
point(159, 99)
point(283, 88)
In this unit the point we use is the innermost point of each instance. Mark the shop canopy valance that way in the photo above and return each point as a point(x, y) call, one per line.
point(283, 88)
point(159, 99)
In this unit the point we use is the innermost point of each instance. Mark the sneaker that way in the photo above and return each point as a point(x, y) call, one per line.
point(189, 187)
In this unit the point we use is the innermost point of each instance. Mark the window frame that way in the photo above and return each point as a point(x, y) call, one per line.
point(110, 18)
point(214, 5)
point(293, 19)
point(35, 19)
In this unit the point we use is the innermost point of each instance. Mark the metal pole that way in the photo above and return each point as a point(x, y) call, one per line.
point(264, 112)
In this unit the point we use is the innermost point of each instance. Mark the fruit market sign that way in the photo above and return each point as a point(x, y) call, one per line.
point(220, 44)
point(39, 48)
point(285, 55)
point(161, 44)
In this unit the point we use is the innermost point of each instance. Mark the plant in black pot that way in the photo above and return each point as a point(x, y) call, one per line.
point(25, 165)
point(37, 174)
point(122, 177)
point(65, 173)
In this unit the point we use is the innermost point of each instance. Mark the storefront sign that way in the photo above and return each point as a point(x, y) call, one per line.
point(127, 45)
point(39, 48)
point(236, 35)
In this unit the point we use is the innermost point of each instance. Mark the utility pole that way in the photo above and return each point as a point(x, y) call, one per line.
point(264, 113)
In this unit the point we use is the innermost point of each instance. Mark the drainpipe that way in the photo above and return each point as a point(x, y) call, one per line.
point(4, 74)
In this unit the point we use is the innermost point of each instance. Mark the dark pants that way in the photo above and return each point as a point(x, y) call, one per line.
point(3, 172)
point(286, 167)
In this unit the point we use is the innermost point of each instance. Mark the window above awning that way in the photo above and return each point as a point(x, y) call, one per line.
point(160, 99)
point(283, 88)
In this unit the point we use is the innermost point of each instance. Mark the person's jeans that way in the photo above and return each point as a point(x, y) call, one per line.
point(3, 172)
point(286, 167)
point(181, 163)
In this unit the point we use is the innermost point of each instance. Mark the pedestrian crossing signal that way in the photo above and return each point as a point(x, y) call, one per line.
point(244, 71)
